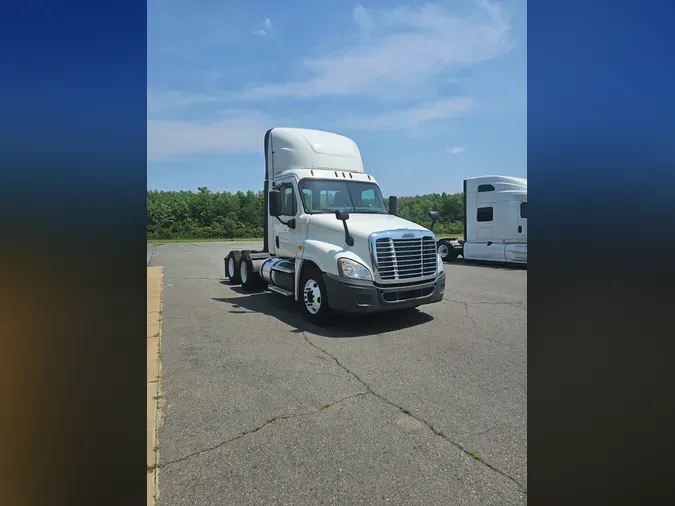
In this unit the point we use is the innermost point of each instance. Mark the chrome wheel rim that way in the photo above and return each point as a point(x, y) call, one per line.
point(243, 272)
point(443, 250)
point(312, 296)
point(230, 267)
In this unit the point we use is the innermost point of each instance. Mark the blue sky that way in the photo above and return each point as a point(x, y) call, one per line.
point(431, 92)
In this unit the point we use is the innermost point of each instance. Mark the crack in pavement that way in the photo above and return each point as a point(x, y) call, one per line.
point(466, 309)
point(517, 304)
point(474, 456)
point(256, 429)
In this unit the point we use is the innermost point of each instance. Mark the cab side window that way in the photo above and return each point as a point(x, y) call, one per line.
point(484, 214)
point(288, 202)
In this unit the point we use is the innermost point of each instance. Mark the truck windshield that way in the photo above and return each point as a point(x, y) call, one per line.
point(328, 196)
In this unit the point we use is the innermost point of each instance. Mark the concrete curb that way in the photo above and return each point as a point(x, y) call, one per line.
point(154, 404)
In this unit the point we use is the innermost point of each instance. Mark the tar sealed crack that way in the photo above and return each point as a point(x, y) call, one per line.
point(466, 309)
point(518, 304)
point(407, 412)
point(256, 429)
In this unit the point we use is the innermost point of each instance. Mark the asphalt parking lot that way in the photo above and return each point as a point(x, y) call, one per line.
point(261, 407)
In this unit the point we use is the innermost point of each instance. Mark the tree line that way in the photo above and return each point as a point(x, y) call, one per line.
point(223, 215)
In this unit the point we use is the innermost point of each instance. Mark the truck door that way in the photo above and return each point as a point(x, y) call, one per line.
point(484, 223)
point(522, 222)
point(287, 240)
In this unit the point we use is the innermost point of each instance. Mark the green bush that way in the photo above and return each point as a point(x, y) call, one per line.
point(223, 215)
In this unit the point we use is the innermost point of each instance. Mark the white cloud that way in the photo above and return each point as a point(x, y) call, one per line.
point(408, 49)
point(267, 24)
point(362, 18)
point(454, 150)
point(240, 132)
point(413, 117)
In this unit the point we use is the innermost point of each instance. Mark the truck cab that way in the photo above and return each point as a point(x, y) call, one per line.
point(495, 219)
point(329, 241)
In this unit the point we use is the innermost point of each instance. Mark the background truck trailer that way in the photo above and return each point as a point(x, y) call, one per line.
point(329, 241)
point(495, 222)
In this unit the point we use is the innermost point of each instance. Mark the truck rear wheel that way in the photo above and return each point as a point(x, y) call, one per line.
point(232, 267)
point(446, 251)
point(313, 298)
point(250, 280)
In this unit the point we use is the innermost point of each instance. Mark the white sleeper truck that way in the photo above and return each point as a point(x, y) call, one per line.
point(495, 222)
point(329, 241)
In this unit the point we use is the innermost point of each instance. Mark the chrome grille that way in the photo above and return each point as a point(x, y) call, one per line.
point(405, 258)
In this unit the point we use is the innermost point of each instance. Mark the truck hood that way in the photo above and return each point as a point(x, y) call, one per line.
point(362, 225)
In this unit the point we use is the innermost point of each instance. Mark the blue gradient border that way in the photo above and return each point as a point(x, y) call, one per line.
point(601, 160)
point(73, 178)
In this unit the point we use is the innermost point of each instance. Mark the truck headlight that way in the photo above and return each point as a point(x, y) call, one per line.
point(352, 269)
point(439, 263)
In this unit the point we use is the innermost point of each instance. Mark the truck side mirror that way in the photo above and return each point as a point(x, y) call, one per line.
point(275, 203)
point(393, 205)
point(434, 216)
point(342, 215)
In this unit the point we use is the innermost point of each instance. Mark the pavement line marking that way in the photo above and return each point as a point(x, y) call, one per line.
point(154, 332)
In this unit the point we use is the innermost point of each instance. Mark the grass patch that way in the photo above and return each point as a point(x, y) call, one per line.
point(405, 411)
point(270, 420)
point(476, 457)
point(326, 406)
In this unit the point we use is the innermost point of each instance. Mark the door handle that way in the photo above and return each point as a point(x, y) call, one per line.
point(520, 229)
point(276, 241)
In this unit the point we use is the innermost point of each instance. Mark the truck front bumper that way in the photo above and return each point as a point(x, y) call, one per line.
point(356, 296)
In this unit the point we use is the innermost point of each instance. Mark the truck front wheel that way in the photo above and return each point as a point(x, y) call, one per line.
point(313, 298)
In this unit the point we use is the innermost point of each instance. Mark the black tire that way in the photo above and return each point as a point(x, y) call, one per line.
point(446, 250)
point(453, 253)
point(315, 309)
point(250, 281)
point(232, 261)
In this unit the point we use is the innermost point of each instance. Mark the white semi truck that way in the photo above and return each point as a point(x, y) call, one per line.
point(329, 241)
point(495, 222)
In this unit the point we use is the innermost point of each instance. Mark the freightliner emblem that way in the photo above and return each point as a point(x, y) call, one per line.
point(408, 235)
